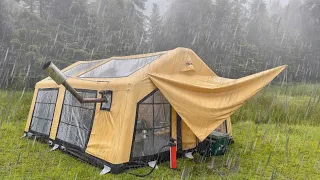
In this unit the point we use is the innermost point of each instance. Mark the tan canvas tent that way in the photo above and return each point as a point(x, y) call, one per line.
point(151, 97)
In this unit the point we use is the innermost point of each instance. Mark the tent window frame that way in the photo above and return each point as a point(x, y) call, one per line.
point(68, 144)
point(107, 92)
point(226, 126)
point(153, 128)
point(46, 119)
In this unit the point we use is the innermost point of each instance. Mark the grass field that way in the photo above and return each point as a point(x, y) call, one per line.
point(277, 136)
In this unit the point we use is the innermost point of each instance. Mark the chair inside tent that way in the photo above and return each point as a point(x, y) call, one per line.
point(131, 106)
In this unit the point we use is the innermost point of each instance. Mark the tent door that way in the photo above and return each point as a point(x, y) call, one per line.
point(179, 134)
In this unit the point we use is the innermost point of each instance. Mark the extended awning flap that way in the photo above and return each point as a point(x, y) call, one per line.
point(204, 102)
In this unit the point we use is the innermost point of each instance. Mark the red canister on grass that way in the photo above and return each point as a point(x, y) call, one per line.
point(173, 154)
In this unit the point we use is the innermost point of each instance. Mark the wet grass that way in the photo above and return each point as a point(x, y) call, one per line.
point(289, 104)
point(276, 137)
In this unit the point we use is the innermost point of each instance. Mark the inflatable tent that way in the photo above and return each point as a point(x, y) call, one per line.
point(146, 99)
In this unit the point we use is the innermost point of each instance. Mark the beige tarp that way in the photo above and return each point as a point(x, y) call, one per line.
point(204, 102)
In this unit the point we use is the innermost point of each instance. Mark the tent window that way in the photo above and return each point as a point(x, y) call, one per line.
point(106, 105)
point(43, 111)
point(80, 67)
point(76, 119)
point(119, 67)
point(153, 123)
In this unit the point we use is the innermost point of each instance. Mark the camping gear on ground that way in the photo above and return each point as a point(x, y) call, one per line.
point(92, 109)
point(215, 144)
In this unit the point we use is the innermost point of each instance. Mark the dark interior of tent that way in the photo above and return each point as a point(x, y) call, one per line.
point(152, 127)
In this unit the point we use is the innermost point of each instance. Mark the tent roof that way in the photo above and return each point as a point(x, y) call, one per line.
point(114, 67)
point(121, 72)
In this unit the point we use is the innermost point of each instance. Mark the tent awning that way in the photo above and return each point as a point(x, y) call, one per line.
point(204, 102)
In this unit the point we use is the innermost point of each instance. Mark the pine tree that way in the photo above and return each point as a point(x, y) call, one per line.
point(5, 25)
point(311, 23)
point(121, 27)
point(186, 23)
point(155, 28)
point(2, 21)
point(257, 27)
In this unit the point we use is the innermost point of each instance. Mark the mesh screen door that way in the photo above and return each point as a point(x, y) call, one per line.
point(43, 111)
point(76, 119)
point(153, 125)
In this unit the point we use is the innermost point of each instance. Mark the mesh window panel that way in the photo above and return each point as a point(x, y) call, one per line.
point(146, 115)
point(76, 119)
point(159, 98)
point(148, 100)
point(152, 125)
point(43, 111)
point(161, 137)
point(80, 67)
point(161, 115)
point(119, 67)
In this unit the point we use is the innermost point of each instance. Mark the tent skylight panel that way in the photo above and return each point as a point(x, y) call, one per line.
point(119, 67)
point(80, 67)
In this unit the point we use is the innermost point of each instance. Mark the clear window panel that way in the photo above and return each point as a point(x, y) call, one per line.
point(161, 115)
point(152, 126)
point(40, 125)
point(161, 137)
point(72, 101)
point(119, 67)
point(108, 96)
point(76, 116)
point(148, 100)
point(47, 96)
point(76, 119)
point(81, 67)
point(72, 135)
point(159, 97)
point(143, 144)
point(62, 131)
point(146, 115)
point(106, 106)
point(43, 111)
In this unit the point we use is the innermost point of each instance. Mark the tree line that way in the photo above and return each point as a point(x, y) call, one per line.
point(234, 37)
